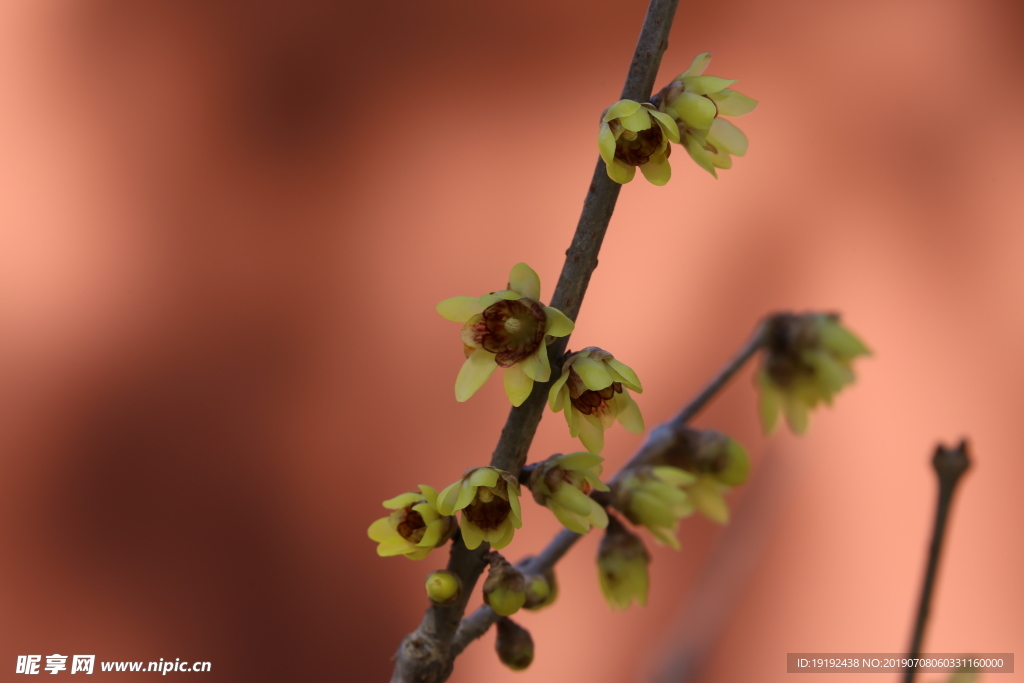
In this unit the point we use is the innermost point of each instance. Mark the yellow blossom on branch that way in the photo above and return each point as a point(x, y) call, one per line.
point(622, 567)
point(563, 484)
point(509, 329)
point(593, 393)
point(636, 135)
point(489, 500)
point(654, 497)
point(414, 528)
point(696, 103)
point(807, 360)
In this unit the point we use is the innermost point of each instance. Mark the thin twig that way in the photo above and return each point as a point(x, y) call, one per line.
point(661, 441)
point(949, 464)
point(425, 654)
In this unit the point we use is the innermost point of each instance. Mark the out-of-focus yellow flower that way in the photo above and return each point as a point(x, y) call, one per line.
point(807, 360)
point(505, 587)
point(592, 392)
point(717, 462)
point(414, 528)
point(509, 329)
point(622, 567)
point(696, 103)
point(632, 135)
point(443, 587)
point(514, 645)
point(654, 497)
point(489, 500)
point(563, 484)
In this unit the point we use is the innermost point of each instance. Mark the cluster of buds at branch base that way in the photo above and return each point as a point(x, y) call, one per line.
point(807, 360)
point(443, 587)
point(653, 496)
point(592, 392)
point(563, 484)
point(514, 645)
point(622, 567)
point(541, 589)
point(414, 528)
point(505, 587)
point(489, 500)
point(636, 135)
point(696, 104)
point(717, 463)
point(509, 329)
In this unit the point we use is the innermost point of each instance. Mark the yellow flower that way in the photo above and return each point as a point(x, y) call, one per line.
point(592, 392)
point(622, 567)
point(414, 528)
point(807, 360)
point(508, 329)
point(696, 103)
point(717, 462)
point(634, 134)
point(654, 497)
point(489, 500)
point(563, 483)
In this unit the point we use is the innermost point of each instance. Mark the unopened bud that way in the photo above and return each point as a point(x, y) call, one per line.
point(505, 587)
point(541, 589)
point(443, 587)
point(514, 645)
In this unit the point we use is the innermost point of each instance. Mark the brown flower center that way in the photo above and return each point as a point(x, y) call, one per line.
point(512, 330)
point(787, 337)
point(411, 525)
point(639, 150)
point(490, 514)
point(589, 402)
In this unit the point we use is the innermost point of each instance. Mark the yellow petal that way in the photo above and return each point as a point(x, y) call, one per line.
point(472, 535)
point(606, 143)
point(569, 520)
point(620, 109)
point(732, 103)
point(700, 62)
point(667, 123)
point(517, 384)
point(709, 501)
point(796, 412)
point(657, 170)
point(558, 323)
point(598, 517)
point(705, 85)
point(697, 152)
point(629, 414)
point(448, 499)
point(554, 401)
point(628, 376)
point(726, 136)
point(695, 110)
point(638, 121)
point(483, 476)
point(381, 530)
point(591, 433)
point(475, 371)
point(620, 172)
point(593, 373)
point(402, 500)
point(460, 308)
point(578, 461)
point(524, 279)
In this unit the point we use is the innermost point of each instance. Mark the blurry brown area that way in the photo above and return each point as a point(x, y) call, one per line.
point(223, 230)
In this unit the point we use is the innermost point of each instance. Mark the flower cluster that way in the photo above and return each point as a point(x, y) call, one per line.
point(689, 112)
point(509, 329)
point(563, 484)
point(653, 496)
point(807, 360)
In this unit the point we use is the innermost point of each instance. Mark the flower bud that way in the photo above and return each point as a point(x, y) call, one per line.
point(541, 590)
point(513, 645)
point(622, 567)
point(654, 497)
point(505, 587)
point(563, 483)
point(443, 587)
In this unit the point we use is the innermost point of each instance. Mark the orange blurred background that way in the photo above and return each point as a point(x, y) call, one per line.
point(225, 226)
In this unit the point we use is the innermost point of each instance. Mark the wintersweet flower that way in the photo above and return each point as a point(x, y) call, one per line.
point(807, 360)
point(696, 103)
point(563, 484)
point(632, 135)
point(592, 392)
point(509, 329)
point(489, 500)
point(414, 528)
point(718, 464)
point(654, 497)
point(622, 567)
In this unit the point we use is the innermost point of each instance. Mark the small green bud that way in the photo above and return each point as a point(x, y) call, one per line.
point(505, 587)
point(622, 567)
point(541, 589)
point(443, 587)
point(514, 645)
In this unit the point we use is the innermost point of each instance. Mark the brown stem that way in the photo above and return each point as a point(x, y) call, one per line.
point(425, 655)
point(949, 464)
